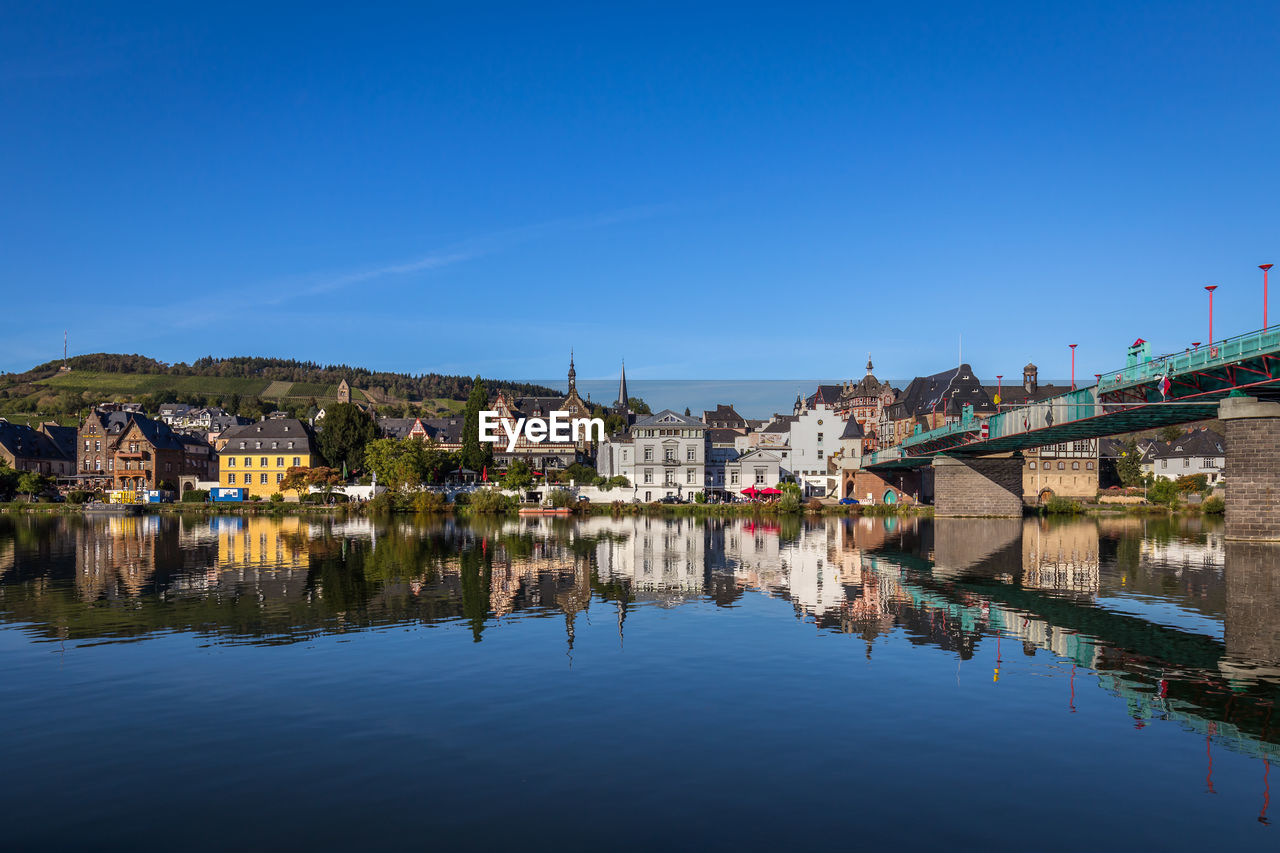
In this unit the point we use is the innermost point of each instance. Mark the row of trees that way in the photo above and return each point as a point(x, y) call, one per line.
point(26, 483)
point(401, 385)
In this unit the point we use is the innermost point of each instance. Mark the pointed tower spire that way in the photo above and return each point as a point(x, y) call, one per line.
point(869, 365)
point(573, 374)
point(623, 400)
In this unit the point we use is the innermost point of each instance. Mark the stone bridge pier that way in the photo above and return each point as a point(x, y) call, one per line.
point(988, 486)
point(1252, 471)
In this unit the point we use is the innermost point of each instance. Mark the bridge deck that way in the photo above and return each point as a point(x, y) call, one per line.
point(1123, 401)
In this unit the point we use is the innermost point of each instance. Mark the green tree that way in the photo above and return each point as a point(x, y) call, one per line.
point(345, 433)
point(577, 473)
point(639, 406)
point(1129, 465)
point(1163, 491)
point(518, 475)
point(1170, 433)
point(399, 463)
point(476, 455)
point(31, 484)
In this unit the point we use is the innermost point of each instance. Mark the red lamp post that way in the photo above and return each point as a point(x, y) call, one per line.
point(1073, 365)
point(1265, 268)
point(999, 386)
point(1211, 288)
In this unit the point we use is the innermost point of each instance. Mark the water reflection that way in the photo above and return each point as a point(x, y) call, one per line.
point(1176, 624)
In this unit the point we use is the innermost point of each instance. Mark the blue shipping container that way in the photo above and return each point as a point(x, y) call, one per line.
point(227, 495)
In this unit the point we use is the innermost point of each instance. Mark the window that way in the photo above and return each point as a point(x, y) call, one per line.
point(1033, 465)
point(297, 461)
point(97, 446)
point(262, 463)
point(275, 445)
point(670, 479)
point(1075, 466)
point(819, 438)
point(231, 479)
point(670, 455)
point(279, 478)
point(262, 478)
point(1088, 466)
point(689, 476)
point(1164, 463)
point(1062, 466)
point(648, 454)
point(733, 478)
point(257, 445)
point(290, 445)
point(648, 475)
point(819, 452)
point(231, 462)
point(1186, 462)
point(760, 476)
point(86, 445)
point(690, 454)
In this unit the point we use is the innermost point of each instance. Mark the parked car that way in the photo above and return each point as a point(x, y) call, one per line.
point(670, 499)
point(849, 501)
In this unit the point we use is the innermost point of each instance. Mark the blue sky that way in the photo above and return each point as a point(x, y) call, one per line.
point(708, 190)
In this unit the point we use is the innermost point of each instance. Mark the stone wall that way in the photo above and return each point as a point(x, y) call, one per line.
point(1252, 472)
point(978, 487)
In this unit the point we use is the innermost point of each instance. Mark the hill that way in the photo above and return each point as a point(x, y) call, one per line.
point(246, 385)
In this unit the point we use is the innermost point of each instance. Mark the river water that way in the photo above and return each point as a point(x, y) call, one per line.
point(175, 683)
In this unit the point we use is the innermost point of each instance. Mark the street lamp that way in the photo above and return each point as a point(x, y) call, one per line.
point(1211, 288)
point(999, 386)
point(1264, 268)
point(1073, 365)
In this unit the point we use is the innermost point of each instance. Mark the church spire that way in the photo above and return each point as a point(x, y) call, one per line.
point(869, 366)
point(623, 400)
point(573, 374)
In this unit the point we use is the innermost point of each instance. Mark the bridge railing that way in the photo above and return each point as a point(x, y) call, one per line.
point(1203, 357)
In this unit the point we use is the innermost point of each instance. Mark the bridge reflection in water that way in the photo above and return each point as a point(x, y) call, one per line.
point(1178, 625)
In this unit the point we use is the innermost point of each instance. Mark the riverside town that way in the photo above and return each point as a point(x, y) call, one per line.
point(640, 426)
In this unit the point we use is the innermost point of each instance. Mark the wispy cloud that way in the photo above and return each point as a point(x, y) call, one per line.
point(479, 246)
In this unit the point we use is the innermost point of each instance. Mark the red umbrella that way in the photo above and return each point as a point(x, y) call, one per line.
point(771, 491)
point(751, 491)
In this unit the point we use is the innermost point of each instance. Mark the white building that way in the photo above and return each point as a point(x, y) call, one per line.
point(815, 433)
point(1201, 451)
point(664, 455)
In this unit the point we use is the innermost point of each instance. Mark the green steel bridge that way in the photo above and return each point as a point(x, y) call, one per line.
point(1134, 398)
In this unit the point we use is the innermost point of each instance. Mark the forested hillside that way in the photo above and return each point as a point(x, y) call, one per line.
point(244, 384)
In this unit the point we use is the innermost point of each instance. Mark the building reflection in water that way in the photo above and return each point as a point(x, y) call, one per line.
point(1167, 617)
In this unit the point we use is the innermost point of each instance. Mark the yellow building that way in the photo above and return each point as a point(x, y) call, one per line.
point(256, 456)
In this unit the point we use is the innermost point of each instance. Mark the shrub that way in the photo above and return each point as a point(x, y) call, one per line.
point(789, 502)
point(429, 502)
point(1163, 492)
point(814, 505)
point(462, 499)
point(1190, 483)
point(195, 496)
point(1061, 506)
point(276, 498)
point(491, 501)
point(561, 498)
point(78, 496)
point(1214, 505)
point(700, 498)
